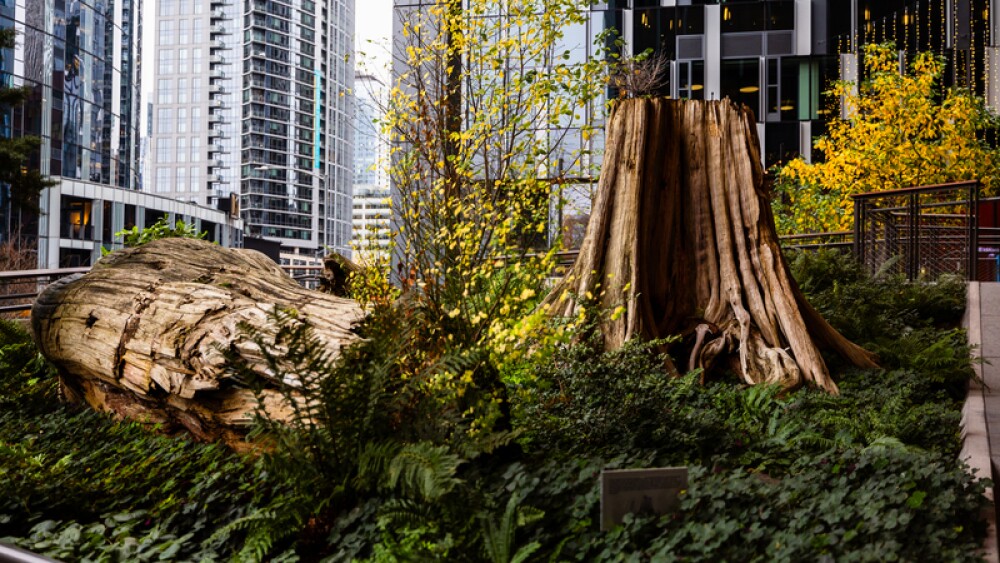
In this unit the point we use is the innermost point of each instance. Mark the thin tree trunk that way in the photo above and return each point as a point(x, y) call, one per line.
point(681, 234)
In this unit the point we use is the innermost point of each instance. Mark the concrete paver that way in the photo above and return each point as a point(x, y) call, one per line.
point(981, 413)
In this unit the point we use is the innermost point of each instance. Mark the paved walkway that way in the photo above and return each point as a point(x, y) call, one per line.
point(981, 414)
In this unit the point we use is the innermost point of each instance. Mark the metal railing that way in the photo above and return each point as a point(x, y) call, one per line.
point(919, 231)
point(19, 288)
point(14, 554)
point(842, 240)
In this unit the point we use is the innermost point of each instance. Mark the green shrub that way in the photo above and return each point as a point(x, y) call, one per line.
point(160, 229)
point(404, 450)
point(76, 485)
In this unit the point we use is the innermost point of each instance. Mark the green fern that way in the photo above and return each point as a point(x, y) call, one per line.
point(263, 529)
point(499, 537)
point(424, 470)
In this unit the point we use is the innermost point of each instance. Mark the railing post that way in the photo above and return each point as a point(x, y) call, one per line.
point(913, 266)
point(973, 269)
point(859, 230)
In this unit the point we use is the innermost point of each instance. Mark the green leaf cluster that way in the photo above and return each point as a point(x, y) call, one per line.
point(411, 447)
point(76, 485)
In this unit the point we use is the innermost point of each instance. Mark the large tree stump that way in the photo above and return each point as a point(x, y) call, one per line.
point(681, 234)
point(145, 334)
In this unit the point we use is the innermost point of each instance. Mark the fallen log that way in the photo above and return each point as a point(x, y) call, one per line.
point(682, 237)
point(146, 334)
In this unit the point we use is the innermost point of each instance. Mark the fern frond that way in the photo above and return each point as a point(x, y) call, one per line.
point(498, 538)
point(885, 443)
point(373, 462)
point(405, 513)
point(487, 443)
point(263, 529)
point(425, 470)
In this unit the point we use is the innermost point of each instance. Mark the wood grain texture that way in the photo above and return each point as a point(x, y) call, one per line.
point(681, 234)
point(144, 333)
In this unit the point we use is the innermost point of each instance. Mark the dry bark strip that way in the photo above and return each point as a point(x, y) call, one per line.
point(143, 334)
point(681, 234)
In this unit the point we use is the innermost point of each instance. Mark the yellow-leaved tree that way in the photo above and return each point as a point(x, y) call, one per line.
point(491, 108)
point(899, 129)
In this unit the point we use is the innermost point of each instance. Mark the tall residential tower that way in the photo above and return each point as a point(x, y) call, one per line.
point(254, 98)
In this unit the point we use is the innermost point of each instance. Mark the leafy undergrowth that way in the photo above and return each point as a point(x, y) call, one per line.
point(76, 485)
point(428, 451)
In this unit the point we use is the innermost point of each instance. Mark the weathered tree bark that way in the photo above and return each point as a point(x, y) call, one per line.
point(145, 333)
point(681, 234)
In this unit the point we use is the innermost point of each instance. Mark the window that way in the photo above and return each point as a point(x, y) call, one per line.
point(195, 149)
point(166, 61)
point(198, 6)
point(181, 179)
point(195, 120)
point(741, 82)
point(196, 60)
point(691, 80)
point(164, 91)
point(168, 7)
point(164, 150)
point(166, 32)
point(182, 152)
point(162, 179)
point(182, 91)
point(184, 30)
point(195, 179)
point(182, 120)
point(164, 120)
point(195, 90)
point(196, 31)
point(758, 16)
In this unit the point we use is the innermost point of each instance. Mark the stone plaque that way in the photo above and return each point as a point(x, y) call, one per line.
point(640, 491)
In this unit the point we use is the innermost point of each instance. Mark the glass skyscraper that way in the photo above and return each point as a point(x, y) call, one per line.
point(80, 62)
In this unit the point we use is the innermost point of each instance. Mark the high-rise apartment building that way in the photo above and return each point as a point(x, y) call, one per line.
point(254, 98)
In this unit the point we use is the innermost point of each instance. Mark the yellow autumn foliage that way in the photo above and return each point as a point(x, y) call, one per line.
point(485, 96)
point(895, 130)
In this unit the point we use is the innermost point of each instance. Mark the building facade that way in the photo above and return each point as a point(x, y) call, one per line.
point(370, 215)
point(779, 56)
point(253, 98)
point(80, 62)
